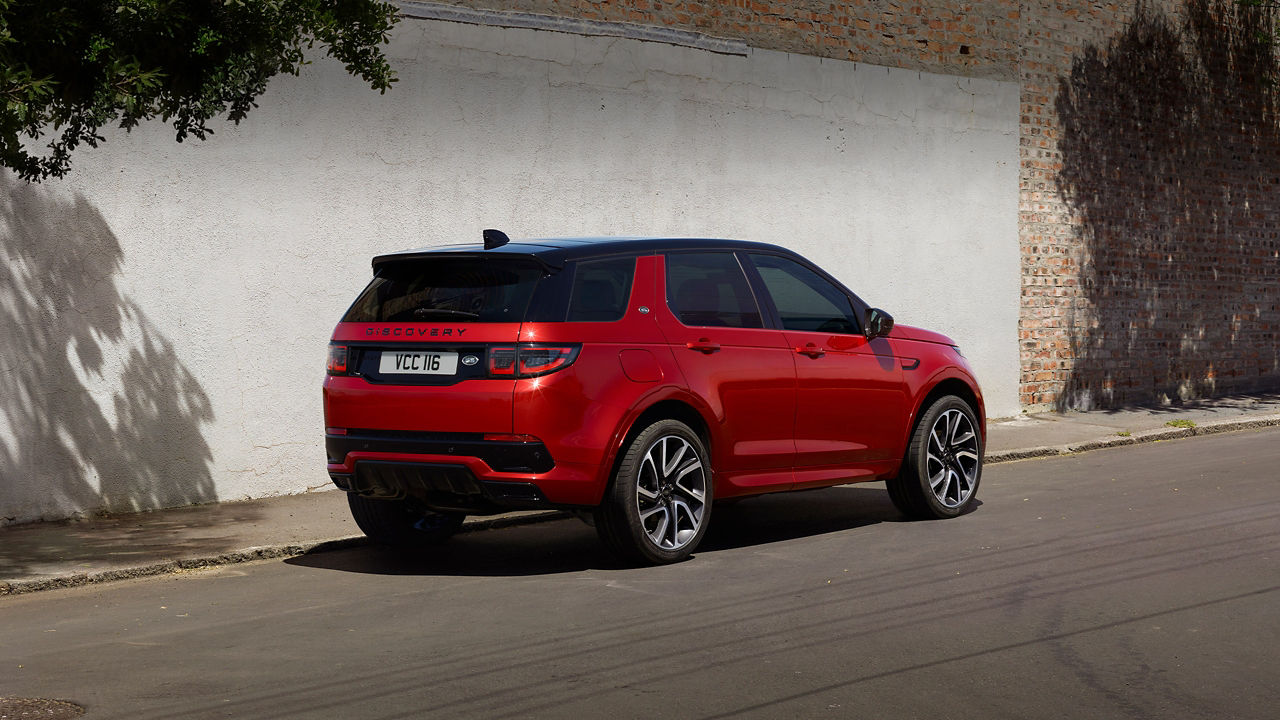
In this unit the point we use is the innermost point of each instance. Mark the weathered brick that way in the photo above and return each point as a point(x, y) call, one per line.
point(849, 30)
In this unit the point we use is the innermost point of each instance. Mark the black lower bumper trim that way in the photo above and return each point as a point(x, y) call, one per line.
point(441, 487)
point(522, 457)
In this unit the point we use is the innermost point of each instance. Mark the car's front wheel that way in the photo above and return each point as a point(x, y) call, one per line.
point(657, 508)
point(940, 474)
point(402, 522)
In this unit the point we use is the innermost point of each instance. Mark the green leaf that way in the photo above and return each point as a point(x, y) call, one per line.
point(72, 68)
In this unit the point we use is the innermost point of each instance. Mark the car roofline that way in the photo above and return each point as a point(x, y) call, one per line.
point(553, 253)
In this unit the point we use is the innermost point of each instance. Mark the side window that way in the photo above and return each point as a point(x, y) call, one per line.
point(806, 301)
point(710, 289)
point(601, 289)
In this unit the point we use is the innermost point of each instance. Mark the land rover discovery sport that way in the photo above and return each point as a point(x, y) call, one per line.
point(637, 380)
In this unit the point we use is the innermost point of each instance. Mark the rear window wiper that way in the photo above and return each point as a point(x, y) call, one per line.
point(424, 312)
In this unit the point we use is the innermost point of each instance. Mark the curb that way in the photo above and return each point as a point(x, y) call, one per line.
point(1142, 436)
point(250, 554)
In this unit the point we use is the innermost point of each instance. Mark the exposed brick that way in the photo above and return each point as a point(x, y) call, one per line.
point(868, 31)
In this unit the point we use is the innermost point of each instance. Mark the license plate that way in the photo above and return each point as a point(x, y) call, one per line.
point(418, 363)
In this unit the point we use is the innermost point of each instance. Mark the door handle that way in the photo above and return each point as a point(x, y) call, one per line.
point(812, 351)
point(703, 345)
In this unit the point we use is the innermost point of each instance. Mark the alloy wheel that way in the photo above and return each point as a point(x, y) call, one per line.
point(952, 460)
point(671, 490)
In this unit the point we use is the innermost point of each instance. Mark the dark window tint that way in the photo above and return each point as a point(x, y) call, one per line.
point(805, 300)
point(448, 289)
point(709, 289)
point(601, 289)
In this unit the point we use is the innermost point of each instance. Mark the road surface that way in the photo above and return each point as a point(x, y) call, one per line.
point(1140, 582)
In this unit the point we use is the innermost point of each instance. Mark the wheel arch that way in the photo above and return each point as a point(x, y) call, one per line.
point(949, 385)
point(674, 408)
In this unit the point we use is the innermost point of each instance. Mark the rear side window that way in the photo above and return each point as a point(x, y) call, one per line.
point(444, 289)
point(710, 289)
point(601, 289)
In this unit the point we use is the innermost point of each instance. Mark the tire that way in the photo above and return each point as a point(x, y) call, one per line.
point(943, 466)
point(664, 475)
point(403, 522)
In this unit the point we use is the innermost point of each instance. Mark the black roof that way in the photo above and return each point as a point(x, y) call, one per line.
point(556, 251)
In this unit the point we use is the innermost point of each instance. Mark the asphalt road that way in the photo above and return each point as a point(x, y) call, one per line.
point(1141, 582)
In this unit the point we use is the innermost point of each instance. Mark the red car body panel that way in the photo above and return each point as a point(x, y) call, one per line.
point(483, 406)
point(933, 360)
point(851, 399)
point(907, 332)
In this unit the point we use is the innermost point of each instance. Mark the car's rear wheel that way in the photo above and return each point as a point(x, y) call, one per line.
point(657, 508)
point(940, 475)
point(402, 522)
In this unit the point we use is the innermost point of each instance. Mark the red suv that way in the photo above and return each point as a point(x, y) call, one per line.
point(635, 380)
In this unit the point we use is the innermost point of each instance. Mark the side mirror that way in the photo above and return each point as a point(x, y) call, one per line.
point(879, 323)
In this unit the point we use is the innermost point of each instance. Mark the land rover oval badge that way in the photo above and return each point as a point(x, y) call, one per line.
point(469, 360)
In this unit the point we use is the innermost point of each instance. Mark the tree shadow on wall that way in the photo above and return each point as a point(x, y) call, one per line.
point(1171, 160)
point(97, 412)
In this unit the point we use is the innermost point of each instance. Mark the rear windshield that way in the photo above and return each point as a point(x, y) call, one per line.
point(448, 289)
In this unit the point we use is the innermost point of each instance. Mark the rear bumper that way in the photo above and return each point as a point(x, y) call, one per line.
point(458, 473)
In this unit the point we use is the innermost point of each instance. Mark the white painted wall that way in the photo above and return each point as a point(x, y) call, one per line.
point(164, 311)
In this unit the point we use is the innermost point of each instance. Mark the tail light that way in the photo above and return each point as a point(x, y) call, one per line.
point(502, 361)
point(530, 360)
point(534, 360)
point(337, 364)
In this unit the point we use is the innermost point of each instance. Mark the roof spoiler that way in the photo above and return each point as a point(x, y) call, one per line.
point(550, 264)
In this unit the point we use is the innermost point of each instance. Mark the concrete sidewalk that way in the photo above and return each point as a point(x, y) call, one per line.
point(42, 556)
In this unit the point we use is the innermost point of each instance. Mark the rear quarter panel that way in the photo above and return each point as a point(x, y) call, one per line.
point(581, 411)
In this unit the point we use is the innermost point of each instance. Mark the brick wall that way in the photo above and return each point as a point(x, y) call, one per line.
point(1150, 158)
point(978, 38)
point(1048, 230)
